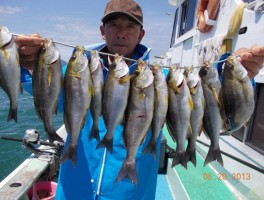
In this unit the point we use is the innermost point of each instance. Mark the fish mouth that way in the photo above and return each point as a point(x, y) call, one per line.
point(137, 72)
point(155, 69)
point(203, 71)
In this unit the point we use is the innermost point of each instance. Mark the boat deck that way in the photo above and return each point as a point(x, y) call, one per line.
point(195, 183)
point(211, 181)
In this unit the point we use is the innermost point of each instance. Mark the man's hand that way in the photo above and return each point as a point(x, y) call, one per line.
point(29, 48)
point(252, 59)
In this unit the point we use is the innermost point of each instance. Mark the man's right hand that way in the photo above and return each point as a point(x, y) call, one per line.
point(29, 48)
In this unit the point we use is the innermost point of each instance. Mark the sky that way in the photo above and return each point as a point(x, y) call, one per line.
point(77, 22)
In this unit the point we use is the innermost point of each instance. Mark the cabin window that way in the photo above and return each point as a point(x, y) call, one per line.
point(256, 133)
point(187, 17)
point(184, 19)
point(174, 30)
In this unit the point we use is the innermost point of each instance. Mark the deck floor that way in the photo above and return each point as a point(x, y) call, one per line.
point(163, 191)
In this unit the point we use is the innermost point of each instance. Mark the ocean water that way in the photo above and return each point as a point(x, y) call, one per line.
point(13, 153)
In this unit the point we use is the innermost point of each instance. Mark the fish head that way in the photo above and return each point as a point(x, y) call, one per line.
point(175, 76)
point(234, 69)
point(5, 36)
point(192, 77)
point(208, 73)
point(79, 59)
point(119, 66)
point(143, 76)
point(141, 67)
point(156, 69)
point(49, 52)
point(158, 74)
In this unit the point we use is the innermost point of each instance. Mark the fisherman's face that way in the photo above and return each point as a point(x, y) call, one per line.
point(122, 35)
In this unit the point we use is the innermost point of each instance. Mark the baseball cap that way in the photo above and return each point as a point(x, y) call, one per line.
point(126, 7)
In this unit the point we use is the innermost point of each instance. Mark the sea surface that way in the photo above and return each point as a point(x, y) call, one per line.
point(13, 153)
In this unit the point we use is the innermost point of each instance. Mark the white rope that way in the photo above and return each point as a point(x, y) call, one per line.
point(101, 173)
point(129, 59)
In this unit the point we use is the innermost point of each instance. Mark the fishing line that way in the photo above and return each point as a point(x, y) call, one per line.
point(133, 60)
point(72, 46)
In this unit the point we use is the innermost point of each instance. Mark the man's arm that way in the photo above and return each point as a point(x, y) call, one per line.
point(252, 59)
point(29, 48)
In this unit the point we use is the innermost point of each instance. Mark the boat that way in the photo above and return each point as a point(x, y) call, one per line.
point(243, 171)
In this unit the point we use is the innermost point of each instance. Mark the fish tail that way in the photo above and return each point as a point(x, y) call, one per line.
point(128, 170)
point(94, 133)
point(213, 155)
point(70, 154)
point(191, 156)
point(151, 148)
point(106, 142)
point(179, 158)
point(12, 114)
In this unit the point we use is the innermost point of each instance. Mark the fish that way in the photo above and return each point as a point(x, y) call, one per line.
point(96, 70)
point(238, 95)
point(46, 86)
point(9, 71)
point(213, 121)
point(115, 97)
point(78, 89)
point(160, 107)
point(138, 118)
point(195, 86)
point(179, 113)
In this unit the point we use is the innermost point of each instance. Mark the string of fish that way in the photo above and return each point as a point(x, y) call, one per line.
point(133, 60)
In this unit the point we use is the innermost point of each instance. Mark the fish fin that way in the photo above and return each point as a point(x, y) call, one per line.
point(124, 79)
point(190, 103)
point(6, 54)
point(94, 133)
point(91, 90)
point(176, 89)
point(75, 74)
point(12, 114)
point(193, 91)
point(213, 155)
point(143, 140)
point(169, 128)
point(50, 73)
point(215, 94)
point(128, 170)
point(179, 158)
point(17, 58)
point(151, 148)
point(83, 121)
point(141, 95)
point(191, 155)
point(226, 124)
point(166, 99)
point(205, 133)
point(106, 142)
point(245, 90)
point(70, 154)
point(189, 132)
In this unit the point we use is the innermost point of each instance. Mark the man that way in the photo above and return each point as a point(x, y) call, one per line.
point(96, 171)
point(94, 176)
